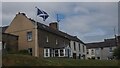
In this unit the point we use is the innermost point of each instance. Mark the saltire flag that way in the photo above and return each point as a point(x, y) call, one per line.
point(42, 14)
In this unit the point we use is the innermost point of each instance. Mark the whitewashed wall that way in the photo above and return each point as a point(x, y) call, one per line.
point(77, 49)
point(102, 53)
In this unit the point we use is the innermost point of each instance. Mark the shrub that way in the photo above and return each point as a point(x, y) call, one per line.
point(24, 52)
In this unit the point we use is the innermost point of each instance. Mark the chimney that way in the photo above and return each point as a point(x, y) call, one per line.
point(54, 25)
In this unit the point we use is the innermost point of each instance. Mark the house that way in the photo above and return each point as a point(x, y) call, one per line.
point(118, 40)
point(39, 39)
point(9, 41)
point(78, 48)
point(101, 50)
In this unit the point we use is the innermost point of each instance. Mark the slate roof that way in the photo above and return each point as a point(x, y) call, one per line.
point(2, 29)
point(51, 30)
point(57, 32)
point(106, 43)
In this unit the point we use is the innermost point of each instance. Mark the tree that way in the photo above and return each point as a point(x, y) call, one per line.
point(116, 53)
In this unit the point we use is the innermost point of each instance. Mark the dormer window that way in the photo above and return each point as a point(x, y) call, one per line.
point(29, 36)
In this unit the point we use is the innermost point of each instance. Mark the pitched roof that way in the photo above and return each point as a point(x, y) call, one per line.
point(2, 29)
point(106, 43)
point(57, 32)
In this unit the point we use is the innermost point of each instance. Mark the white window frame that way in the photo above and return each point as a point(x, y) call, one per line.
point(4, 46)
point(60, 52)
point(46, 51)
point(47, 39)
point(56, 41)
point(56, 53)
point(29, 36)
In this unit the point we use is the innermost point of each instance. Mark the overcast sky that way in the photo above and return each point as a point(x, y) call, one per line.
point(89, 21)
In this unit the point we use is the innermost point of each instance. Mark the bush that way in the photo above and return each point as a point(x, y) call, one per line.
point(24, 52)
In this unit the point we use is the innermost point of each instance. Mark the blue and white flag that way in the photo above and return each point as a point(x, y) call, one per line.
point(42, 14)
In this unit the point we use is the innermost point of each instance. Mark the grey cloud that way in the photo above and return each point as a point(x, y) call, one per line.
point(82, 19)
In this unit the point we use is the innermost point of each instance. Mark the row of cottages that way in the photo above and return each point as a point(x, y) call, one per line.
point(102, 50)
point(45, 41)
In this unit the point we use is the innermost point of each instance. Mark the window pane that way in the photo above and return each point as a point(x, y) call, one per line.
point(46, 54)
point(61, 52)
point(56, 53)
point(74, 46)
point(29, 36)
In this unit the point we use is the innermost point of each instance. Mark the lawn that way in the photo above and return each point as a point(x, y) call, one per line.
point(26, 60)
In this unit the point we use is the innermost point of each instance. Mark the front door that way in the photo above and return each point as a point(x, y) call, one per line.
point(79, 56)
point(74, 55)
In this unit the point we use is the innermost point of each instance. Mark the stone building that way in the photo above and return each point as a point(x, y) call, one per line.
point(101, 50)
point(39, 39)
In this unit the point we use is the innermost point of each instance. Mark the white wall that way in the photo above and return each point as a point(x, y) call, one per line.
point(77, 48)
point(90, 55)
point(102, 53)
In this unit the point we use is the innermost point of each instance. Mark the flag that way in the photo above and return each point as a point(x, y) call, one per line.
point(42, 14)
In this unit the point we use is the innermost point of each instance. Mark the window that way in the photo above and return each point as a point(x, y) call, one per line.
point(30, 51)
point(79, 46)
point(110, 49)
point(92, 52)
point(61, 52)
point(56, 42)
point(87, 51)
point(56, 53)
point(69, 45)
point(46, 52)
point(74, 46)
point(47, 39)
point(83, 49)
point(4, 45)
point(29, 36)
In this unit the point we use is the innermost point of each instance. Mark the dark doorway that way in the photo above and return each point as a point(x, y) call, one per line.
point(68, 53)
point(79, 56)
point(74, 55)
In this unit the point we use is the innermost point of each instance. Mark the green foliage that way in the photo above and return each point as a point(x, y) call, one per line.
point(117, 53)
point(26, 60)
point(24, 52)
